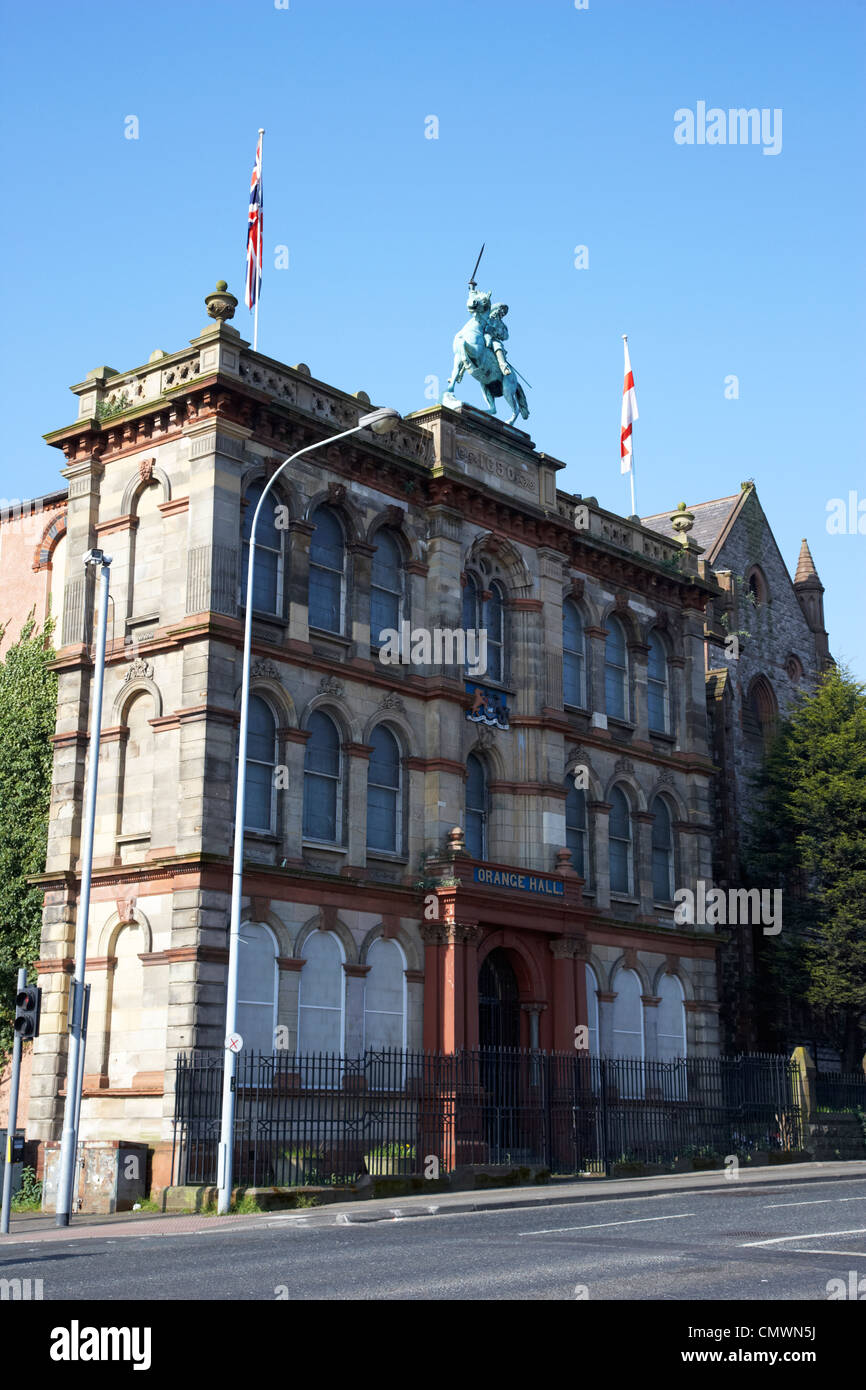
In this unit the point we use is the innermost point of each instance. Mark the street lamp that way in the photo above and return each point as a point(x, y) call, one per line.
point(380, 422)
point(75, 1055)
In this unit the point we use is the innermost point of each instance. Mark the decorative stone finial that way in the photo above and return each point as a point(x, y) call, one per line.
point(682, 522)
point(456, 841)
point(220, 304)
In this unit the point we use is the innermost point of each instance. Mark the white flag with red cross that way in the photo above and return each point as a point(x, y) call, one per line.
point(629, 414)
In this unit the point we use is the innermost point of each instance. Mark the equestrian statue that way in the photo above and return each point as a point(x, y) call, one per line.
point(479, 350)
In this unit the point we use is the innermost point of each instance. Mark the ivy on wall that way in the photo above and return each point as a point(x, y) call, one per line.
point(28, 707)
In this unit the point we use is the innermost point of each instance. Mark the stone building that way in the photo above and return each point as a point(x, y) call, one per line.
point(766, 641)
point(432, 859)
point(32, 563)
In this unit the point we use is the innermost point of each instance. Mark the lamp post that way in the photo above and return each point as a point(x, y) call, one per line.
point(75, 1055)
point(380, 421)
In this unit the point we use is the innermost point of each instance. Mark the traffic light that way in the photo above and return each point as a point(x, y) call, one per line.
point(28, 1002)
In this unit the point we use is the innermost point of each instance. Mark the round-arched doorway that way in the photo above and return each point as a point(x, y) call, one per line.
point(498, 1001)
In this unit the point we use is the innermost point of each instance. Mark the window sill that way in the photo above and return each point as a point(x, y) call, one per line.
point(625, 726)
point(327, 636)
point(625, 899)
point(386, 856)
point(263, 837)
point(662, 736)
point(275, 619)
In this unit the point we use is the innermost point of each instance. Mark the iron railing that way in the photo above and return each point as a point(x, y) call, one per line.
point(321, 1119)
point(841, 1090)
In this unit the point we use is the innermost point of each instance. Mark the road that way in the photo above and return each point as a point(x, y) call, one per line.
point(768, 1243)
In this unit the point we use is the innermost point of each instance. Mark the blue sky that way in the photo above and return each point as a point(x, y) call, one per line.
point(555, 130)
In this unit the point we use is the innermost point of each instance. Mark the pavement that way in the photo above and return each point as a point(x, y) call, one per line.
point(35, 1228)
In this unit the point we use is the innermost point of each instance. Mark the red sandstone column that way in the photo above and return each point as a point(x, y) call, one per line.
point(564, 949)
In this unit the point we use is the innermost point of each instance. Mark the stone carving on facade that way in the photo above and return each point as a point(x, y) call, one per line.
point(329, 685)
point(390, 700)
point(265, 669)
point(568, 948)
point(125, 909)
point(667, 777)
point(139, 669)
point(145, 470)
point(172, 376)
point(496, 467)
point(336, 493)
point(624, 765)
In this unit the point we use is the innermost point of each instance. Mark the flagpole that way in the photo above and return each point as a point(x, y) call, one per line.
point(261, 242)
point(631, 451)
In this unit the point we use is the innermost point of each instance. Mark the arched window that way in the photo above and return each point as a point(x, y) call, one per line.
point(137, 769)
point(757, 586)
point(385, 996)
point(146, 555)
point(619, 836)
point(671, 1019)
point(257, 987)
point(793, 667)
point(268, 574)
point(260, 802)
point(136, 1026)
point(493, 621)
point(575, 828)
point(592, 1009)
point(321, 995)
point(760, 714)
point(658, 699)
point(383, 792)
point(327, 567)
point(662, 852)
point(627, 1016)
point(386, 586)
point(470, 603)
point(616, 671)
point(322, 767)
point(573, 656)
point(476, 808)
point(58, 585)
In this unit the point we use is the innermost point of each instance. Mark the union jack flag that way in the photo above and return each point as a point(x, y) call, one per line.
point(254, 232)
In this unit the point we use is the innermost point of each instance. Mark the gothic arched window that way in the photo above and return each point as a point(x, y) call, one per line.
point(268, 573)
point(573, 656)
point(476, 808)
point(327, 571)
point(658, 696)
point(620, 844)
point(616, 671)
point(322, 772)
point(662, 852)
point(386, 586)
point(384, 818)
point(260, 801)
point(575, 828)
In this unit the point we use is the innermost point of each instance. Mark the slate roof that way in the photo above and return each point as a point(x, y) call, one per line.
point(711, 519)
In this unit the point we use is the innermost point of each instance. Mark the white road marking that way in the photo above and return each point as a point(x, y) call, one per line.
point(817, 1235)
point(852, 1254)
point(815, 1202)
point(596, 1225)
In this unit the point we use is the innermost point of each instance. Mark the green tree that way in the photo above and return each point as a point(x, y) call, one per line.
point(808, 835)
point(28, 707)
